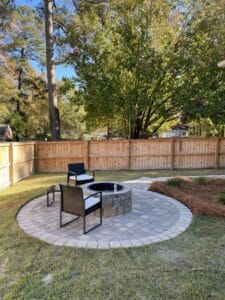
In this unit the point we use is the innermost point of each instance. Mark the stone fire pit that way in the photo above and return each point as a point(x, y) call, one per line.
point(116, 198)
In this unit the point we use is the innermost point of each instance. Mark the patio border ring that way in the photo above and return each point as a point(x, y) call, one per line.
point(29, 220)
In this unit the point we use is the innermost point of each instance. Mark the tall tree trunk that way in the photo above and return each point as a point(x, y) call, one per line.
point(53, 107)
point(109, 132)
point(19, 79)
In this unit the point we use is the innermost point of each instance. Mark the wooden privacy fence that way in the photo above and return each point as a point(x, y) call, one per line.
point(165, 153)
point(16, 162)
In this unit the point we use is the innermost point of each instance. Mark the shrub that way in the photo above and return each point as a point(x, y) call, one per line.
point(175, 181)
point(201, 179)
point(222, 196)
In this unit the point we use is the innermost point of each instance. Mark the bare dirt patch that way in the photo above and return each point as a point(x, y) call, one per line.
point(47, 278)
point(200, 197)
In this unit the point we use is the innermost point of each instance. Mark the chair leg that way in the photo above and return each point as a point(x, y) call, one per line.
point(47, 199)
point(100, 215)
point(95, 225)
point(84, 225)
point(60, 218)
point(61, 223)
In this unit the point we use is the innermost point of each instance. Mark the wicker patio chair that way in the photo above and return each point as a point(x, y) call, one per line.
point(73, 202)
point(77, 173)
point(52, 190)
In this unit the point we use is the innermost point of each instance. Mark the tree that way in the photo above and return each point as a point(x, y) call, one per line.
point(37, 124)
point(125, 64)
point(7, 66)
point(200, 91)
point(22, 42)
point(6, 8)
point(71, 114)
point(7, 86)
point(54, 113)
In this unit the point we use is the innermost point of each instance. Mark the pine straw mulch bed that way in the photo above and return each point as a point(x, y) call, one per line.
point(200, 198)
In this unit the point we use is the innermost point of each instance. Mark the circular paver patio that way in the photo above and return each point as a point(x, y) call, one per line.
point(154, 218)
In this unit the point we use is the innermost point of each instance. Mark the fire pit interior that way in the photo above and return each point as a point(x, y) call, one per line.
point(105, 187)
point(116, 198)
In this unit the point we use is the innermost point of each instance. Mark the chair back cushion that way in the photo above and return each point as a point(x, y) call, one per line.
point(72, 200)
point(78, 168)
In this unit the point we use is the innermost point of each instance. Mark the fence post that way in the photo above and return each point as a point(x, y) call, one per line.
point(217, 153)
point(88, 155)
point(11, 167)
point(129, 154)
point(36, 157)
point(172, 154)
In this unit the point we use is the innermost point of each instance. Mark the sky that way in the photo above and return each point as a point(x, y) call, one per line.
point(61, 70)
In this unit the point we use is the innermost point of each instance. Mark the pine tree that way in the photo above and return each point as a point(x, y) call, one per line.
point(53, 106)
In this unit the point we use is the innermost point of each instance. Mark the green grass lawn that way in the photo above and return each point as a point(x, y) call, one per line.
point(190, 266)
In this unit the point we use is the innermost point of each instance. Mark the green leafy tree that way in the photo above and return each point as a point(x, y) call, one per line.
point(6, 9)
point(22, 42)
point(71, 113)
point(7, 65)
point(33, 122)
point(200, 91)
point(125, 64)
point(7, 86)
point(37, 124)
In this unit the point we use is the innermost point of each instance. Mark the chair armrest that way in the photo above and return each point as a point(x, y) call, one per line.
point(100, 193)
point(70, 173)
point(93, 173)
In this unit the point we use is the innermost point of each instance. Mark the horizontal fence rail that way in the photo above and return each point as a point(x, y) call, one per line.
point(19, 160)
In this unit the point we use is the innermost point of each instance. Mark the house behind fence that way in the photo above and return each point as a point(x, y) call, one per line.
point(5, 133)
point(176, 131)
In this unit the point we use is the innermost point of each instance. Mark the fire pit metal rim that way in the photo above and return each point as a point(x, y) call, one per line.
point(123, 188)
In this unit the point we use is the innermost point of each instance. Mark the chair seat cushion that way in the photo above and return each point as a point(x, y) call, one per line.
point(91, 201)
point(82, 177)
